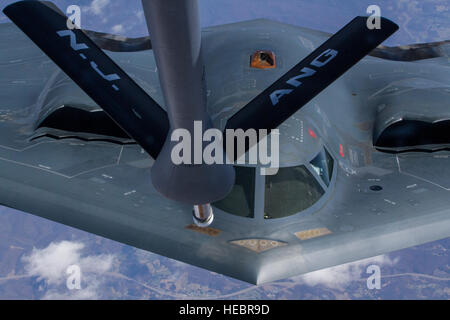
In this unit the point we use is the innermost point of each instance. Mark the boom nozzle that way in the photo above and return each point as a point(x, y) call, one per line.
point(203, 215)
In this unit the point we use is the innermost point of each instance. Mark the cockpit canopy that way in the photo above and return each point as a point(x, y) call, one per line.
point(290, 191)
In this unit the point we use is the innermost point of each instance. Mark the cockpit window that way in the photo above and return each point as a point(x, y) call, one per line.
point(323, 165)
point(241, 200)
point(290, 191)
point(263, 59)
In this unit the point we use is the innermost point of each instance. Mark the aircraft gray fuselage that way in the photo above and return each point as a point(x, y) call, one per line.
point(376, 199)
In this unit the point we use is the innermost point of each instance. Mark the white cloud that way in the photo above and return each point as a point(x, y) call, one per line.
point(140, 15)
point(50, 265)
point(89, 293)
point(442, 8)
point(342, 275)
point(97, 6)
point(118, 28)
